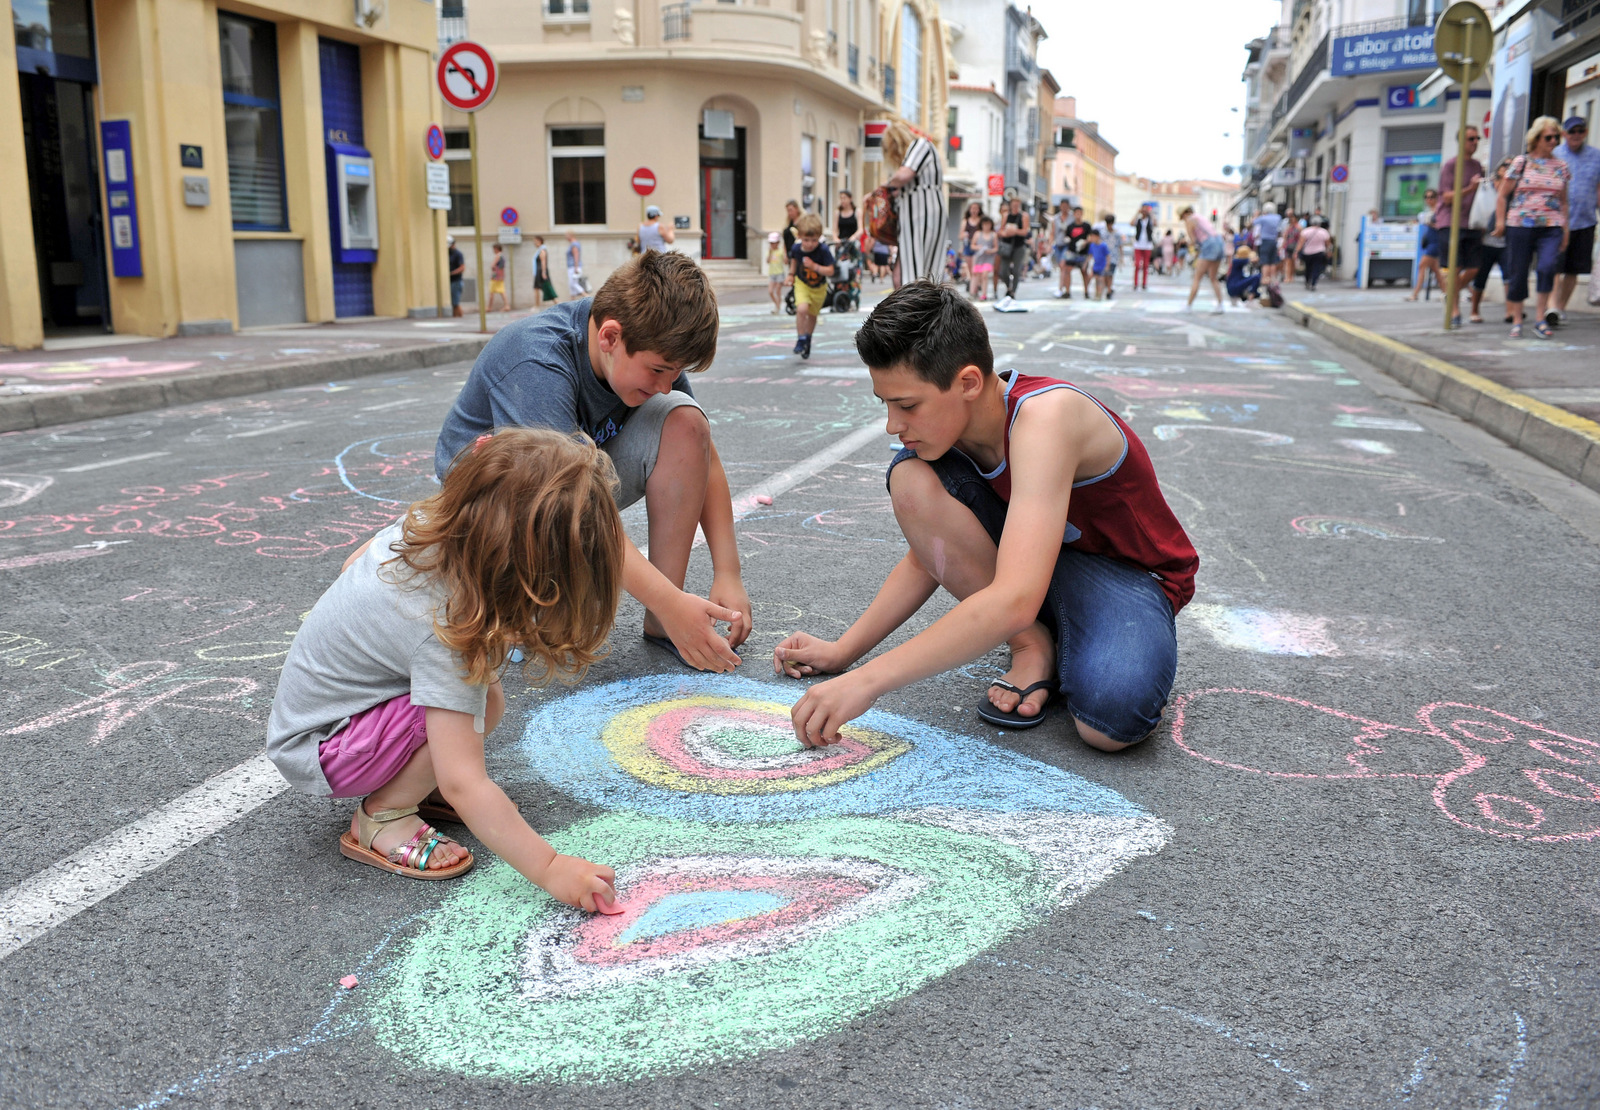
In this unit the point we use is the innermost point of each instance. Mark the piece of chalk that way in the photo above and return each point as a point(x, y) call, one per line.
point(763, 499)
point(349, 982)
point(603, 906)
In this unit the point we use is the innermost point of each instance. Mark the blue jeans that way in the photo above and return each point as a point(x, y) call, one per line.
point(1116, 643)
point(1540, 246)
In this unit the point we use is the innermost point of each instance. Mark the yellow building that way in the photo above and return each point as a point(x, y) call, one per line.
point(1084, 171)
point(193, 167)
point(733, 108)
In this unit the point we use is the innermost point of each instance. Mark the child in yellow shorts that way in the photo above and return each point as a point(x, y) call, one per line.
point(810, 265)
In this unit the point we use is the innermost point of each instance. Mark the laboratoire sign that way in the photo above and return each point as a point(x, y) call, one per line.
point(1407, 48)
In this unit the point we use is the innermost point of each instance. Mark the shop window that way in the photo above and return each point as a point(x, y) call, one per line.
point(1411, 157)
point(458, 156)
point(577, 175)
point(53, 26)
point(566, 9)
point(252, 122)
point(911, 66)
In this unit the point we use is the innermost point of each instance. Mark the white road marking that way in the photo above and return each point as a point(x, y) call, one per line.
point(47, 899)
point(101, 465)
point(744, 502)
point(1109, 348)
point(391, 404)
point(269, 431)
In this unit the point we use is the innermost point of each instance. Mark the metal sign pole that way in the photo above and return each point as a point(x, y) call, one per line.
point(438, 283)
point(1454, 36)
point(477, 223)
point(1453, 284)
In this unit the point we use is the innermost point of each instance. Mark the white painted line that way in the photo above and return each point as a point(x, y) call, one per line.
point(391, 404)
point(1109, 348)
point(47, 899)
point(113, 462)
point(269, 431)
point(744, 502)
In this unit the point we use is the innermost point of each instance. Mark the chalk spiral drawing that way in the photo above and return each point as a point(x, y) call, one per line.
point(770, 893)
point(1485, 770)
point(1178, 431)
point(1348, 526)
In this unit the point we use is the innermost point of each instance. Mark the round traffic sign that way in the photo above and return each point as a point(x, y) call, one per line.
point(1463, 39)
point(435, 142)
point(1339, 174)
point(644, 181)
point(508, 216)
point(467, 76)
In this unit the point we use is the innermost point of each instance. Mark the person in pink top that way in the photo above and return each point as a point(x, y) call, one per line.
point(1532, 215)
point(1212, 250)
point(1312, 250)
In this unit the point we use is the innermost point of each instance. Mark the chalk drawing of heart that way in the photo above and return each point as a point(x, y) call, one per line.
point(1485, 770)
point(770, 894)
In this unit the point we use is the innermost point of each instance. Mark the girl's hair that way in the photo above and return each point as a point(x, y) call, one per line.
point(1540, 126)
point(525, 543)
point(847, 193)
point(897, 142)
point(1186, 210)
point(985, 220)
point(971, 206)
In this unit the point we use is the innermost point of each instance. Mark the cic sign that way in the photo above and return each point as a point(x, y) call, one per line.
point(1384, 51)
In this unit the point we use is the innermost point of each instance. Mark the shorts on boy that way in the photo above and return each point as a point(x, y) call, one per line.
point(810, 297)
point(457, 287)
point(1268, 251)
point(1579, 255)
point(1116, 641)
point(635, 447)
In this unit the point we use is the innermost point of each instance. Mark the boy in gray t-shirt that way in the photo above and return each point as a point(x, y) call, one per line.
point(614, 367)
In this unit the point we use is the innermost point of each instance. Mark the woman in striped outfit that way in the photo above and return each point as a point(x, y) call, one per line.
point(919, 203)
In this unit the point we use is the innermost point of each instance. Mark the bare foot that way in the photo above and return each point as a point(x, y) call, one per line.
point(1033, 659)
point(397, 833)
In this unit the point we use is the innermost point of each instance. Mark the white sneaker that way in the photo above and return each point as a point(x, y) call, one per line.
point(1217, 311)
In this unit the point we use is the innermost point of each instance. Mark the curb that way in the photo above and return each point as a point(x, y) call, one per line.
point(1554, 436)
point(40, 410)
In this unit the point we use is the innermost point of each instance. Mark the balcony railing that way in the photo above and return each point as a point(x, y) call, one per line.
point(452, 23)
point(888, 83)
point(674, 22)
point(855, 63)
point(1315, 66)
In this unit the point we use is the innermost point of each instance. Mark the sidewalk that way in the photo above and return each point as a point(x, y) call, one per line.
point(1564, 371)
point(1541, 396)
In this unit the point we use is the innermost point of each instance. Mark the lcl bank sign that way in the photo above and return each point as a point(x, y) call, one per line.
point(1409, 48)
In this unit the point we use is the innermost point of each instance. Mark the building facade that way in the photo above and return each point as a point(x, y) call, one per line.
point(192, 167)
point(733, 109)
point(1167, 198)
point(1084, 170)
point(994, 103)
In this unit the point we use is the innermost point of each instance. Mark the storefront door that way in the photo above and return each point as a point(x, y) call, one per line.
point(722, 196)
point(55, 79)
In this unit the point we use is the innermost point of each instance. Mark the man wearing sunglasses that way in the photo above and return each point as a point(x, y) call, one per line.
point(1583, 192)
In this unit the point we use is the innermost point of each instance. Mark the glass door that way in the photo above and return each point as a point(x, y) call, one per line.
point(716, 188)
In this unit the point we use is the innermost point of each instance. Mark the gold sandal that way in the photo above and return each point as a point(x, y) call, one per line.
point(409, 859)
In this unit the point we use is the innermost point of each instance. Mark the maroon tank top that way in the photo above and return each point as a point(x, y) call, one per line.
point(1121, 513)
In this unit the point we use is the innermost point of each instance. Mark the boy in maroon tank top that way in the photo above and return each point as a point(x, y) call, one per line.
point(1038, 509)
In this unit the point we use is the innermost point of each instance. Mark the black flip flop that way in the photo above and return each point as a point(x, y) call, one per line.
point(667, 645)
point(991, 712)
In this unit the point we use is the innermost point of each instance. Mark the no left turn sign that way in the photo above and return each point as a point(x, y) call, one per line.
point(467, 76)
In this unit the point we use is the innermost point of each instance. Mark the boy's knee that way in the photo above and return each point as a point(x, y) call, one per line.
point(1097, 739)
point(687, 426)
point(914, 487)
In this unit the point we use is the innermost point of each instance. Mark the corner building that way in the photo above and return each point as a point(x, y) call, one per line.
point(192, 167)
point(733, 108)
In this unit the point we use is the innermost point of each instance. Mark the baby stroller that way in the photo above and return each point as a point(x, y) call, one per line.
point(844, 286)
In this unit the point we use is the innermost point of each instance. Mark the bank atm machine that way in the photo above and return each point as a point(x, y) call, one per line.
point(1387, 252)
point(354, 205)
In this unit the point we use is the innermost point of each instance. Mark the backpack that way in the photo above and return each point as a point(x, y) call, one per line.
point(883, 224)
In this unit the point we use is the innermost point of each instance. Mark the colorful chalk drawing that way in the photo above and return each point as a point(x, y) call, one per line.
point(1376, 423)
point(17, 488)
point(115, 367)
point(1349, 526)
point(770, 894)
point(1486, 771)
point(1264, 631)
point(1366, 446)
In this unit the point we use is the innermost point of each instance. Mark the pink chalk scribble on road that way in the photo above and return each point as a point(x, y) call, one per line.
point(1490, 772)
point(117, 367)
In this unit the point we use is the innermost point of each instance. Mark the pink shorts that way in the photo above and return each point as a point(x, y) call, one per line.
point(983, 267)
point(371, 749)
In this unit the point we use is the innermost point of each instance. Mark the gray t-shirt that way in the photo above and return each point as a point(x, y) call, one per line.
point(536, 373)
point(369, 639)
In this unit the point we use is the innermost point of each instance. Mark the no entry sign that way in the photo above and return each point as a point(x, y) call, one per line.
point(644, 181)
point(467, 76)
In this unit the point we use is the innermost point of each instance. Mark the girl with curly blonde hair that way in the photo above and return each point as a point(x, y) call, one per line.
point(393, 680)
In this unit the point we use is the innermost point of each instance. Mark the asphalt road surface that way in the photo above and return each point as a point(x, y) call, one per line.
point(1356, 866)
